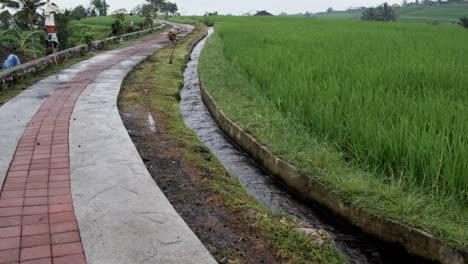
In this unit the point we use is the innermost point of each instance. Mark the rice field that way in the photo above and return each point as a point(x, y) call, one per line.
point(443, 14)
point(100, 27)
point(392, 97)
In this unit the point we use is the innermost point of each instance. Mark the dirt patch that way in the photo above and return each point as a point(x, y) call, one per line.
point(226, 235)
point(5, 52)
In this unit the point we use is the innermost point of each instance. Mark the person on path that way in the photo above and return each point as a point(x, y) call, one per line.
point(11, 61)
point(50, 10)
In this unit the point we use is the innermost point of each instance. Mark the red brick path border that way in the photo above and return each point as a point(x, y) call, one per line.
point(37, 219)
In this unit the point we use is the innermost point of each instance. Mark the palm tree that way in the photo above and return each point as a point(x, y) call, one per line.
point(29, 8)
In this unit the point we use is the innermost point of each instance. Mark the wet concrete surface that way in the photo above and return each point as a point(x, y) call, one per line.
point(357, 247)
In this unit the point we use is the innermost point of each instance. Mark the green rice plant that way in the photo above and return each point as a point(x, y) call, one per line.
point(391, 97)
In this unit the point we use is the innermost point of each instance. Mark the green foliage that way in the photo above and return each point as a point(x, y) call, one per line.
point(117, 27)
point(157, 5)
point(91, 12)
point(383, 12)
point(148, 14)
point(29, 8)
point(169, 8)
point(27, 42)
point(99, 7)
point(463, 22)
point(86, 36)
point(99, 27)
point(62, 22)
point(5, 19)
point(120, 14)
point(79, 12)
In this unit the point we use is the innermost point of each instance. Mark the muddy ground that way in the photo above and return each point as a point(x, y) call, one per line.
point(223, 233)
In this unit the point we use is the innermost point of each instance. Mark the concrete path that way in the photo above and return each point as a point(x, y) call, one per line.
point(75, 189)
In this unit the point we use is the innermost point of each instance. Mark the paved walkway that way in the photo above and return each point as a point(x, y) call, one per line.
point(75, 189)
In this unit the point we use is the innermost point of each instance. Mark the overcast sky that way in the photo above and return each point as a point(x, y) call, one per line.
point(190, 7)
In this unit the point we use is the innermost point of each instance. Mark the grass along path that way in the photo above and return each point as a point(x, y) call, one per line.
point(243, 85)
point(163, 82)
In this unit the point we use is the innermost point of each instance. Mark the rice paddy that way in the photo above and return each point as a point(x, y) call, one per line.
point(392, 97)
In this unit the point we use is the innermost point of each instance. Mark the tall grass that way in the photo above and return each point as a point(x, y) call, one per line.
point(392, 97)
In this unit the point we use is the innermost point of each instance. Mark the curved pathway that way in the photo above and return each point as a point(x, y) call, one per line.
point(75, 189)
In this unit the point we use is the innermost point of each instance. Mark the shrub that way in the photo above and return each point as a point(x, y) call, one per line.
point(463, 22)
point(86, 36)
point(117, 27)
point(381, 13)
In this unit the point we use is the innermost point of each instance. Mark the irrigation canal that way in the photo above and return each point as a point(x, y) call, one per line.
point(357, 247)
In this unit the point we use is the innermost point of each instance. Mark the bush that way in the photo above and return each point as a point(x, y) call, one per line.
point(463, 22)
point(130, 29)
point(381, 13)
point(62, 22)
point(86, 36)
point(117, 27)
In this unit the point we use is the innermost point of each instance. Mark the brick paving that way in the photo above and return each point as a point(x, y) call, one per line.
point(37, 219)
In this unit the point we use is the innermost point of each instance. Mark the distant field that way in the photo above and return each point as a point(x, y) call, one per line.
point(100, 27)
point(444, 14)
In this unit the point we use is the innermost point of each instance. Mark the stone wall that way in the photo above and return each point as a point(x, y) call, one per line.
point(15, 74)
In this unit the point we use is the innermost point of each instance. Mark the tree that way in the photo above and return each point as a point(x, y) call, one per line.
point(100, 6)
point(118, 25)
point(120, 14)
point(79, 12)
point(62, 22)
point(283, 14)
point(137, 10)
point(388, 14)
point(370, 14)
point(173, 8)
point(330, 10)
point(383, 12)
point(97, 6)
point(157, 5)
point(91, 11)
point(104, 8)
point(463, 22)
point(5, 19)
point(29, 7)
point(308, 14)
point(148, 14)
